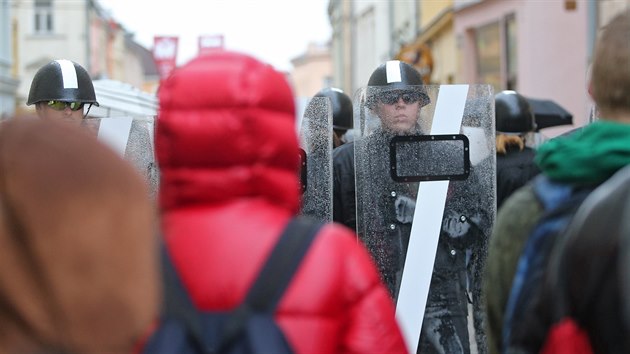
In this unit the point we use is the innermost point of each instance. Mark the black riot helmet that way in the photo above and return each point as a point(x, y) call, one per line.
point(341, 107)
point(396, 75)
point(62, 80)
point(513, 113)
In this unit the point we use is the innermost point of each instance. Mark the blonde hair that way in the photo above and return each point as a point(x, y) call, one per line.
point(610, 80)
point(504, 141)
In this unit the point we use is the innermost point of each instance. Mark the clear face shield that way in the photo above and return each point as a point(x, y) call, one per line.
point(132, 139)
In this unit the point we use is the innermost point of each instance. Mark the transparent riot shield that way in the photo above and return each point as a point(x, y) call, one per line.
point(316, 144)
point(131, 138)
point(425, 170)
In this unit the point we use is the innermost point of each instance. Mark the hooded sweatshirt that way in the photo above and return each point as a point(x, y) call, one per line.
point(589, 156)
point(78, 260)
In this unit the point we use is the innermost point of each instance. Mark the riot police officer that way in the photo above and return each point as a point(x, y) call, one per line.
point(60, 90)
point(407, 100)
point(382, 210)
point(341, 111)
point(515, 161)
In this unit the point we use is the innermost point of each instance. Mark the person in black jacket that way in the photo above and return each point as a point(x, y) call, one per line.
point(341, 105)
point(515, 161)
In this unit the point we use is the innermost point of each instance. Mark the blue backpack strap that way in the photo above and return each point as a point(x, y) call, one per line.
point(548, 194)
point(275, 276)
point(181, 328)
point(559, 202)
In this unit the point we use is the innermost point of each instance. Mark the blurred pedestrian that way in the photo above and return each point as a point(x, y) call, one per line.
point(78, 260)
point(580, 309)
point(515, 160)
point(341, 105)
point(570, 165)
point(227, 148)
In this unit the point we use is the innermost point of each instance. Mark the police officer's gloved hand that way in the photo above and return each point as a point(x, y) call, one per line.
point(455, 225)
point(405, 207)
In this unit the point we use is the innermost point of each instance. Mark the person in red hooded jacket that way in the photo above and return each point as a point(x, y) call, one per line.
point(227, 147)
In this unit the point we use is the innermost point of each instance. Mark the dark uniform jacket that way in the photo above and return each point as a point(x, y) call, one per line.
point(514, 169)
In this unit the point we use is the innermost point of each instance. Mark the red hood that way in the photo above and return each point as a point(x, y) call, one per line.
point(226, 130)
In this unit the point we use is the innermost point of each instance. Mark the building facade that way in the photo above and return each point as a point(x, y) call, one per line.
point(542, 49)
point(371, 38)
point(312, 71)
point(76, 30)
point(433, 50)
point(340, 14)
point(8, 83)
point(536, 48)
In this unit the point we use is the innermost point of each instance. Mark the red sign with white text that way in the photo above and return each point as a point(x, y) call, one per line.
point(165, 54)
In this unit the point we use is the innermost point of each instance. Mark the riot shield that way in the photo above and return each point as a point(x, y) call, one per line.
point(132, 139)
point(425, 193)
point(316, 144)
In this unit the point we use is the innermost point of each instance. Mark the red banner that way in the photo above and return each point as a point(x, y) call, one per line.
point(210, 43)
point(165, 54)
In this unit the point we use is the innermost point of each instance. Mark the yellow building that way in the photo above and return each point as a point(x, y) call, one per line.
point(434, 52)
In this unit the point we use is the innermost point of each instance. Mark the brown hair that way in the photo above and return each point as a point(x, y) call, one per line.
point(78, 260)
point(610, 80)
point(504, 141)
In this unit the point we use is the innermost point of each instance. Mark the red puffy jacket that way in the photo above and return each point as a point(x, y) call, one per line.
point(227, 148)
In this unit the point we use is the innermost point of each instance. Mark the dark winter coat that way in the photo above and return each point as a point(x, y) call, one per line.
point(514, 169)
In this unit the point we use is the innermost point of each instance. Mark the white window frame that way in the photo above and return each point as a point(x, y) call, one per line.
point(43, 20)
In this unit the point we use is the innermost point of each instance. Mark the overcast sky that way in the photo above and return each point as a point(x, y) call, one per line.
point(274, 31)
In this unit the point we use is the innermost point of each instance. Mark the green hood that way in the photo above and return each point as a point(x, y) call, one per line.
point(588, 156)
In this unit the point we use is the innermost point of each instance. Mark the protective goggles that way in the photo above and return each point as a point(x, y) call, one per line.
point(61, 105)
point(391, 97)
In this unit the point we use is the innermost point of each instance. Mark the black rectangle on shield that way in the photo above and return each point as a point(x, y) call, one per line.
point(417, 158)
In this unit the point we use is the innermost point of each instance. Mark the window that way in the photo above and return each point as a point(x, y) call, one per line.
point(510, 52)
point(488, 45)
point(43, 17)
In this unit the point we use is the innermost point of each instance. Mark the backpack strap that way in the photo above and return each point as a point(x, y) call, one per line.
point(559, 203)
point(282, 264)
point(178, 305)
point(275, 275)
point(550, 194)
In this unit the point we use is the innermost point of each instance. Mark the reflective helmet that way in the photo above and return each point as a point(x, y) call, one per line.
point(62, 80)
point(395, 75)
point(341, 107)
point(513, 113)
